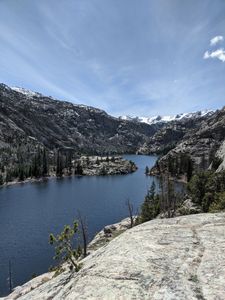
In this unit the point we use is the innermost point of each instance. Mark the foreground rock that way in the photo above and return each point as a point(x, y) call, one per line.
point(180, 258)
point(108, 233)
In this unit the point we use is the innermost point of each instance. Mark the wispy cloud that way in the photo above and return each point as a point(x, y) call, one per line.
point(219, 54)
point(216, 40)
point(97, 53)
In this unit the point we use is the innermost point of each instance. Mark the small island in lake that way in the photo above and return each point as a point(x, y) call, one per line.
point(107, 165)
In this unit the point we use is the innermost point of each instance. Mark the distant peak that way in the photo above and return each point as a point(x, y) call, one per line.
point(165, 119)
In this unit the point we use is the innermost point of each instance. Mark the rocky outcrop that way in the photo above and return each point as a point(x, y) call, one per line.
point(171, 133)
point(201, 143)
point(95, 165)
point(108, 233)
point(221, 155)
point(180, 258)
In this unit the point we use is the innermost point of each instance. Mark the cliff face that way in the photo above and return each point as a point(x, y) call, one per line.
point(221, 155)
point(170, 135)
point(180, 258)
point(202, 142)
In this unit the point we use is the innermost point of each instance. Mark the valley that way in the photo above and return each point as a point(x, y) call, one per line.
point(66, 154)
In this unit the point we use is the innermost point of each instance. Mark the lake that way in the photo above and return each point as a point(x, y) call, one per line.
point(30, 212)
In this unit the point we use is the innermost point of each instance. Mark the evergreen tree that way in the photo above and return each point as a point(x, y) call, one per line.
point(34, 169)
point(206, 190)
point(151, 206)
point(1, 179)
point(44, 163)
point(21, 173)
point(78, 169)
point(97, 161)
point(59, 165)
point(189, 169)
point(103, 171)
point(8, 176)
point(64, 246)
point(146, 170)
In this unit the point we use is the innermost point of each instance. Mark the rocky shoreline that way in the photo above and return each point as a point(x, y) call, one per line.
point(107, 165)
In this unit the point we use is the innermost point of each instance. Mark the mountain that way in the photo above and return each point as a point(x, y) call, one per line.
point(203, 143)
point(166, 119)
point(171, 133)
point(29, 118)
point(198, 135)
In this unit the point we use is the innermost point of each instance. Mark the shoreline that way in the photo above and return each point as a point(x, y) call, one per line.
point(53, 176)
point(103, 237)
point(175, 179)
point(27, 180)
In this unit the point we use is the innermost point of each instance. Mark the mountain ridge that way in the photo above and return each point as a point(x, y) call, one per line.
point(29, 120)
point(168, 118)
point(56, 123)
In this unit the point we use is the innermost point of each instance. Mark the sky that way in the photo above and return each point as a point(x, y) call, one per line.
point(128, 57)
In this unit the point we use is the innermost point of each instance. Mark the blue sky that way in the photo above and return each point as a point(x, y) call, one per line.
point(137, 57)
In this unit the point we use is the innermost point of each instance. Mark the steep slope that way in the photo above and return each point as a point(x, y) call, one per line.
point(28, 119)
point(27, 116)
point(180, 258)
point(170, 134)
point(201, 142)
point(221, 155)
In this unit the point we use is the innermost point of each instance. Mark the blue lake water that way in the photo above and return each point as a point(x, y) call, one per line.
point(30, 212)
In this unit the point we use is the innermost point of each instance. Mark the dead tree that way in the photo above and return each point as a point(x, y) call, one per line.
point(84, 232)
point(10, 278)
point(130, 211)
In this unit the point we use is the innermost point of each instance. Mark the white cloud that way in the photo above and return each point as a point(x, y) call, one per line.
point(219, 53)
point(216, 39)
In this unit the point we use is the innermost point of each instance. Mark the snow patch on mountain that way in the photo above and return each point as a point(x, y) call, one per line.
point(26, 92)
point(31, 94)
point(165, 119)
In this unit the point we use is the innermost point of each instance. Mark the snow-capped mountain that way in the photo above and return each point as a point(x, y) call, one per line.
point(165, 119)
point(39, 119)
point(26, 92)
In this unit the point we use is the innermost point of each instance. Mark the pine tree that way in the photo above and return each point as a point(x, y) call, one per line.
point(59, 167)
point(97, 161)
point(34, 171)
point(21, 173)
point(151, 206)
point(64, 246)
point(44, 163)
point(189, 169)
point(78, 169)
point(1, 179)
point(146, 170)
